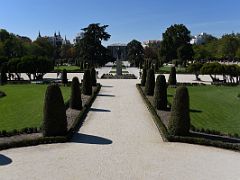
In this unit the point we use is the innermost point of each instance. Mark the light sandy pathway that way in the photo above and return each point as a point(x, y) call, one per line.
point(120, 141)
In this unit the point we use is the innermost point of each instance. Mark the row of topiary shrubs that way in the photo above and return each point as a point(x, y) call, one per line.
point(172, 80)
point(54, 118)
point(179, 123)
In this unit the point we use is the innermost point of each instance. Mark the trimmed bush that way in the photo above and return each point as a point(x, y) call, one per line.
point(2, 94)
point(54, 113)
point(93, 76)
point(144, 76)
point(3, 76)
point(179, 123)
point(160, 93)
point(75, 99)
point(150, 83)
point(64, 77)
point(87, 83)
point(172, 77)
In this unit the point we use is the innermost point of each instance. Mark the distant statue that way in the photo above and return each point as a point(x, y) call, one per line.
point(119, 53)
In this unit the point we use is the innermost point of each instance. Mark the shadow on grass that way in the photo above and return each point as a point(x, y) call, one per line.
point(4, 160)
point(99, 110)
point(169, 95)
point(195, 111)
point(106, 95)
point(90, 139)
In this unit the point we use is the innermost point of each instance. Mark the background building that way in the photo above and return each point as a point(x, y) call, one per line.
point(114, 48)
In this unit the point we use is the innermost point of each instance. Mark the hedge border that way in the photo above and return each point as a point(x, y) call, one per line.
point(57, 139)
point(161, 127)
point(183, 139)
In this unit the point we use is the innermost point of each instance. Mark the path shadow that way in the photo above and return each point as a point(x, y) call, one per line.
point(195, 111)
point(99, 110)
point(106, 95)
point(107, 86)
point(169, 95)
point(4, 160)
point(90, 139)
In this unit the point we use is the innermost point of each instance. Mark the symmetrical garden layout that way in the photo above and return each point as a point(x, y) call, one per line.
point(119, 140)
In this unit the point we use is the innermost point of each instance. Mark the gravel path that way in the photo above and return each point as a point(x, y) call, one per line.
point(119, 141)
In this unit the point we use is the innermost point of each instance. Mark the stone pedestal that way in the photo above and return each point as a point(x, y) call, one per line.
point(119, 67)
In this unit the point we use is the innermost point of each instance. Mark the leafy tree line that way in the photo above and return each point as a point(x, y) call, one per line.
point(230, 73)
point(225, 48)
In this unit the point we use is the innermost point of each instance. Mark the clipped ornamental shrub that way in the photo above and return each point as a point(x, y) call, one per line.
point(93, 76)
point(87, 83)
point(75, 99)
point(3, 76)
point(150, 83)
point(2, 94)
point(179, 123)
point(64, 77)
point(172, 77)
point(160, 93)
point(54, 113)
point(144, 76)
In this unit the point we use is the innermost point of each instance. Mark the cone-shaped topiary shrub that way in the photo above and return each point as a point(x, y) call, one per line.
point(87, 83)
point(75, 99)
point(160, 93)
point(54, 113)
point(150, 83)
point(172, 77)
point(64, 77)
point(144, 76)
point(179, 123)
point(93, 76)
point(3, 76)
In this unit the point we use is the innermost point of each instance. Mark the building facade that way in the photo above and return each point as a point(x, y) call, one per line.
point(118, 50)
point(56, 39)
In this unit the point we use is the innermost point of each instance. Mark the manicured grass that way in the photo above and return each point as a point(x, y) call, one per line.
point(214, 108)
point(23, 105)
point(68, 68)
point(167, 69)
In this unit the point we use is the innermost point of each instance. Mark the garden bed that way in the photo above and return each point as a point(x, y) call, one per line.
point(161, 120)
point(124, 76)
point(74, 117)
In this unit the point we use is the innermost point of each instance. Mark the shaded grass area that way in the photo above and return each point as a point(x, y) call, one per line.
point(214, 108)
point(23, 105)
point(68, 68)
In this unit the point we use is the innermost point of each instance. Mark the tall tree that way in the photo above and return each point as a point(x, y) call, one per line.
point(135, 53)
point(89, 47)
point(175, 36)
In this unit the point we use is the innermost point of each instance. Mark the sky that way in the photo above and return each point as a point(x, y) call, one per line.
point(127, 19)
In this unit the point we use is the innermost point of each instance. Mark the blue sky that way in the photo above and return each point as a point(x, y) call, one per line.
point(127, 19)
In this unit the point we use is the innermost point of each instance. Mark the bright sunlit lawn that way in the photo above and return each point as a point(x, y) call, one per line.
point(23, 105)
point(214, 108)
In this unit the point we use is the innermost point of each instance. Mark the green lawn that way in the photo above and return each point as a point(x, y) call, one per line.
point(23, 105)
point(214, 108)
point(68, 68)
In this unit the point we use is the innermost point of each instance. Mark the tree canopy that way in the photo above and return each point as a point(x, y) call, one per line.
point(135, 53)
